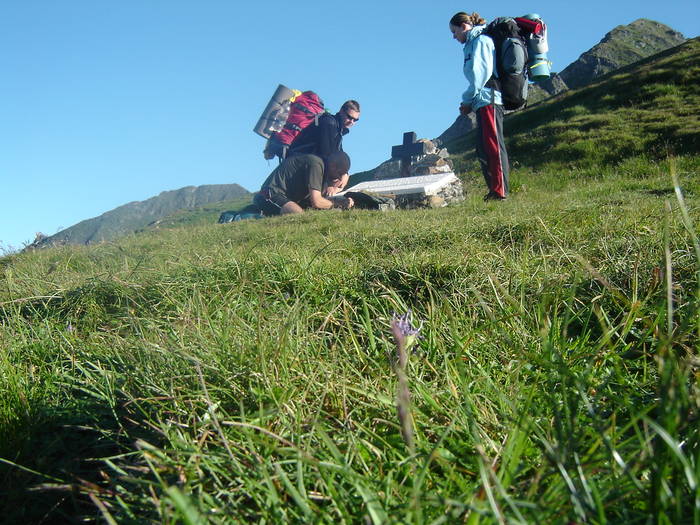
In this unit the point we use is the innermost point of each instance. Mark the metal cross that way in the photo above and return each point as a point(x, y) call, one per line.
point(406, 151)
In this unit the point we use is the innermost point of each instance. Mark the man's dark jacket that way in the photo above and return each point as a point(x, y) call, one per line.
point(322, 139)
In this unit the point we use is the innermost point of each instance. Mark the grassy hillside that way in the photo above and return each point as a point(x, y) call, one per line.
point(248, 372)
point(645, 111)
point(622, 46)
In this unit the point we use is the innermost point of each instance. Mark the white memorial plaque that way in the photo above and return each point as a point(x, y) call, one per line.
point(420, 184)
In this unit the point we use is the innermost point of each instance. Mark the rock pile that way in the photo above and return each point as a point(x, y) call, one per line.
point(436, 160)
point(452, 192)
point(426, 169)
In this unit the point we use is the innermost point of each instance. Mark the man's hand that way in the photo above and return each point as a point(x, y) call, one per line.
point(321, 203)
point(464, 109)
point(331, 190)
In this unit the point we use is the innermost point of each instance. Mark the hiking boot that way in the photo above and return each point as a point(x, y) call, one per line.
point(493, 196)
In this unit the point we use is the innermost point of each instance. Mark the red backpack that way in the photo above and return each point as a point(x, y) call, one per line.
point(302, 112)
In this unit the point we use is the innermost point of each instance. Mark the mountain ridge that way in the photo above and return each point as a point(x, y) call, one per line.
point(137, 215)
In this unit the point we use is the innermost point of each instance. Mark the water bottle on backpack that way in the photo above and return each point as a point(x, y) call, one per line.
point(535, 31)
point(286, 115)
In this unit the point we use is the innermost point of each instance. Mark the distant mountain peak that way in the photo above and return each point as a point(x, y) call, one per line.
point(623, 45)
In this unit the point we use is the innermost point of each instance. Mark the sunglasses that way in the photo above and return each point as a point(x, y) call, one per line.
point(351, 118)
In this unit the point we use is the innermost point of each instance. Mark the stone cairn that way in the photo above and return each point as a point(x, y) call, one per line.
point(434, 161)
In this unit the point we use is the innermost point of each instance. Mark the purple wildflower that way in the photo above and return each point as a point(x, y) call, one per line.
point(405, 336)
point(404, 325)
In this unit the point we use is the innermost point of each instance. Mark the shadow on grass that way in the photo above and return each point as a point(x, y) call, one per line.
point(51, 468)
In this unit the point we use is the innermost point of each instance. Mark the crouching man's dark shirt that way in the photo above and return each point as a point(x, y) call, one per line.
point(293, 180)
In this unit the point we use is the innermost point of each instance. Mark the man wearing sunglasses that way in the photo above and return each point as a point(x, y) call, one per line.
point(327, 137)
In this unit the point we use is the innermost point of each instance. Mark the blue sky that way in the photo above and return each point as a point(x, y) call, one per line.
point(104, 103)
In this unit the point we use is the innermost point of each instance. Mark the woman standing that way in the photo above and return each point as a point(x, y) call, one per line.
point(482, 97)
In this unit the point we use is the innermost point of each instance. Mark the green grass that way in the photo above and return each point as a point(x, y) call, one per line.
point(200, 216)
point(245, 372)
point(204, 373)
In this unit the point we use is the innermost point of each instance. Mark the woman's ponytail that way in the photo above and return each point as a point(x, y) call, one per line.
point(463, 18)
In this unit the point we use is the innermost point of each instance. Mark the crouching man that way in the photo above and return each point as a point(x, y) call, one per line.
point(303, 182)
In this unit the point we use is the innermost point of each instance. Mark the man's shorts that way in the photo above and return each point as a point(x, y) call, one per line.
point(270, 203)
